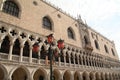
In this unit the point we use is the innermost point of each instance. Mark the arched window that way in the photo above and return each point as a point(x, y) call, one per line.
point(47, 23)
point(11, 8)
point(5, 46)
point(62, 57)
point(16, 47)
point(76, 59)
point(26, 49)
point(113, 52)
point(80, 60)
point(70, 33)
point(86, 40)
point(106, 49)
point(72, 58)
point(96, 44)
point(67, 58)
point(43, 53)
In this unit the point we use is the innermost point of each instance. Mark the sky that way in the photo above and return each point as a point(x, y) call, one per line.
point(101, 15)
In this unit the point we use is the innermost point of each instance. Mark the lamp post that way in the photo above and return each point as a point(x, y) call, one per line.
point(50, 39)
point(60, 44)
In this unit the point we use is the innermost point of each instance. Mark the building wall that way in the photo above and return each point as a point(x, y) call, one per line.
point(75, 63)
point(31, 19)
point(102, 41)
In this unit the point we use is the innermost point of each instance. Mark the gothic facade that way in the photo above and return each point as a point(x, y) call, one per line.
point(87, 54)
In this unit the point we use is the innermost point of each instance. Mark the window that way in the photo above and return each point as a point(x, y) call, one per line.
point(11, 8)
point(106, 49)
point(16, 47)
point(5, 46)
point(86, 40)
point(70, 33)
point(96, 44)
point(92, 35)
point(26, 49)
point(113, 52)
point(47, 23)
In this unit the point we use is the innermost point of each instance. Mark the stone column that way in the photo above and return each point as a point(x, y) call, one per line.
point(10, 51)
point(59, 60)
point(39, 56)
point(74, 60)
point(78, 60)
point(91, 61)
point(46, 60)
point(1, 7)
point(94, 63)
point(88, 61)
point(64, 59)
point(1, 43)
point(64, 55)
point(69, 60)
point(21, 52)
point(81, 60)
point(30, 57)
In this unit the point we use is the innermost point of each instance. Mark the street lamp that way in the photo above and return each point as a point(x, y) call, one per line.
point(60, 45)
point(35, 48)
point(50, 39)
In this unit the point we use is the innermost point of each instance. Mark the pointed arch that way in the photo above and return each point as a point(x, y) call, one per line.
point(3, 72)
point(16, 47)
point(56, 74)
point(76, 75)
point(26, 49)
point(98, 76)
point(85, 76)
point(20, 73)
point(67, 75)
point(86, 40)
point(113, 53)
point(35, 53)
point(92, 76)
point(40, 74)
point(5, 46)
point(106, 49)
point(43, 52)
point(96, 44)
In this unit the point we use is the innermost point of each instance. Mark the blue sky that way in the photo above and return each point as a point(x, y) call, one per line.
point(101, 15)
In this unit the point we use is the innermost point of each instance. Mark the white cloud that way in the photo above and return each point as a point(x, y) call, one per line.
point(99, 9)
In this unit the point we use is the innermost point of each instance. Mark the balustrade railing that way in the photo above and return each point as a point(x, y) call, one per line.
point(34, 60)
point(25, 59)
point(15, 58)
point(3, 56)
